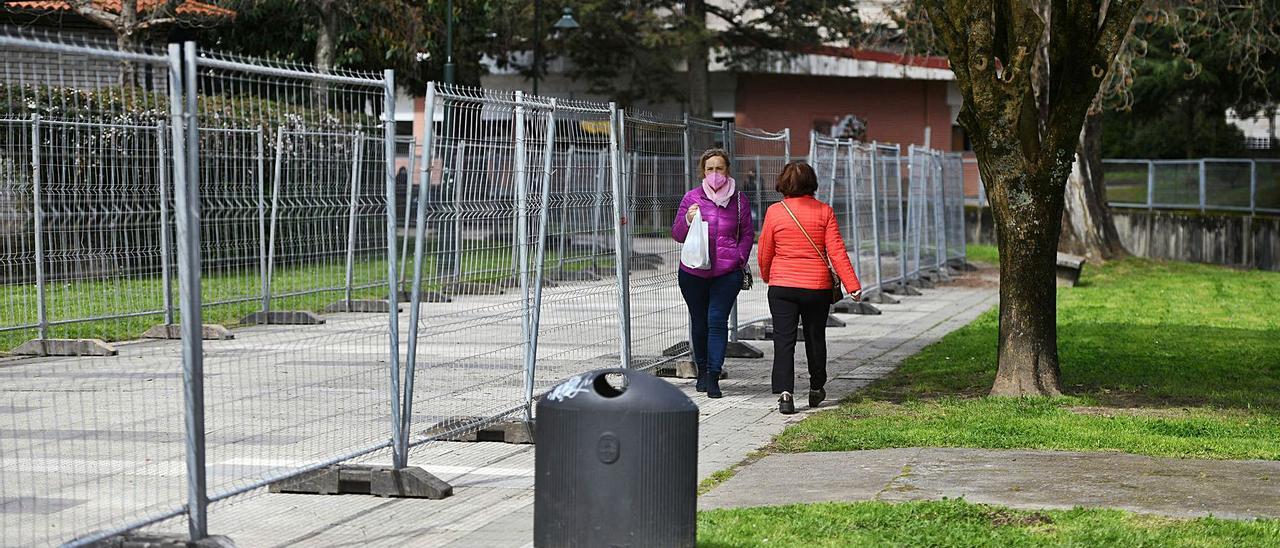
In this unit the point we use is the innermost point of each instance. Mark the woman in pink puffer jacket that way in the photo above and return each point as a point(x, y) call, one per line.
point(710, 293)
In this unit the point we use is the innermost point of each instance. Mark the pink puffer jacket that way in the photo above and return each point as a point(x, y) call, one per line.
point(727, 254)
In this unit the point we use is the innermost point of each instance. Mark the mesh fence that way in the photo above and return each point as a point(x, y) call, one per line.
point(656, 177)
point(527, 241)
point(85, 165)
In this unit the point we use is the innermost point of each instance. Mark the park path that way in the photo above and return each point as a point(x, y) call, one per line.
point(1023, 479)
point(492, 503)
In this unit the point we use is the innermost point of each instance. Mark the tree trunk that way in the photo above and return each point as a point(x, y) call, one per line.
point(698, 59)
point(127, 40)
point(327, 39)
point(1027, 360)
point(1088, 229)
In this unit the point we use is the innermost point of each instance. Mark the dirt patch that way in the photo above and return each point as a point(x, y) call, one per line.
point(985, 276)
point(1007, 518)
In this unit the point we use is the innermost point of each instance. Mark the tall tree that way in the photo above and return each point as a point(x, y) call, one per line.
point(363, 35)
point(1024, 132)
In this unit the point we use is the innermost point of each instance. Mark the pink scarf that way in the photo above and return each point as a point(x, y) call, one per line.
point(719, 188)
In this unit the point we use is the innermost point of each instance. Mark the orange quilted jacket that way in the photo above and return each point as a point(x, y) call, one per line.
point(786, 257)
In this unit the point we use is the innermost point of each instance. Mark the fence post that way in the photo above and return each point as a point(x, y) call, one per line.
point(357, 154)
point(187, 206)
point(597, 211)
point(727, 130)
point(275, 215)
point(619, 238)
point(1151, 185)
point(165, 275)
point(1253, 187)
point(419, 246)
point(37, 209)
point(408, 210)
point(875, 219)
point(459, 172)
point(520, 165)
point(531, 353)
point(689, 184)
point(1202, 177)
point(262, 216)
point(398, 442)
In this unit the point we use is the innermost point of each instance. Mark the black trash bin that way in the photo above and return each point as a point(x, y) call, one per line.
point(616, 463)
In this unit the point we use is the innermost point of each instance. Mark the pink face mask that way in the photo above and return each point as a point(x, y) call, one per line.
point(715, 180)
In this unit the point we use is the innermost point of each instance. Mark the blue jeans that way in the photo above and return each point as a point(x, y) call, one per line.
point(710, 301)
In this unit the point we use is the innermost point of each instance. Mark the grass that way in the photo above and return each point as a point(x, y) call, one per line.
point(1162, 359)
point(99, 298)
point(958, 523)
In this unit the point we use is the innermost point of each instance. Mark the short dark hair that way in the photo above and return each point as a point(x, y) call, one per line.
point(797, 179)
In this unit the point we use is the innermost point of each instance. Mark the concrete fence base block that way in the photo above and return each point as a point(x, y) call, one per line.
point(163, 541)
point(683, 369)
point(360, 305)
point(65, 347)
point(880, 297)
point(739, 349)
point(855, 307)
point(962, 265)
point(424, 297)
point(757, 332)
point(902, 290)
point(676, 349)
point(515, 431)
point(381, 481)
point(833, 321)
point(282, 317)
point(922, 283)
point(474, 288)
point(208, 332)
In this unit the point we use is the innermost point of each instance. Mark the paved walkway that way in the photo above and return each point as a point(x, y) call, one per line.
point(493, 500)
point(1015, 478)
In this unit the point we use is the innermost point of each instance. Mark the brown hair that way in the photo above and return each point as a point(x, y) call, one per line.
point(797, 179)
point(712, 153)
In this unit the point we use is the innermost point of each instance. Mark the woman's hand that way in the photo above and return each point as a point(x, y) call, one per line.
point(688, 216)
point(856, 295)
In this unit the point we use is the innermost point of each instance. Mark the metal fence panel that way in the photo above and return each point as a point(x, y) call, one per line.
point(657, 178)
point(87, 450)
point(285, 400)
point(888, 172)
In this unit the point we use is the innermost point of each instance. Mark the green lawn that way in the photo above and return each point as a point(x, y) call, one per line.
point(1164, 359)
point(957, 523)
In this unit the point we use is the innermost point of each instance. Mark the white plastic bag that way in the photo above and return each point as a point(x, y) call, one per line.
point(696, 252)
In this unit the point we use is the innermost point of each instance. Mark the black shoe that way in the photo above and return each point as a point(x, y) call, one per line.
point(713, 385)
point(701, 385)
point(723, 374)
point(786, 405)
point(816, 397)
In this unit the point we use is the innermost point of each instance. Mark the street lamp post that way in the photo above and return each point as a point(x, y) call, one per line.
point(448, 43)
point(566, 23)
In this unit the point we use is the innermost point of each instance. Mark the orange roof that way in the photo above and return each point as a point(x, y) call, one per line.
point(190, 7)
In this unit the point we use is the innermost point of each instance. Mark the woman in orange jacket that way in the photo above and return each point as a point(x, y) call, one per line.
point(793, 254)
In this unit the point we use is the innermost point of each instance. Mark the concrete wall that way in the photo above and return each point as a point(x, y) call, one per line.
point(1215, 238)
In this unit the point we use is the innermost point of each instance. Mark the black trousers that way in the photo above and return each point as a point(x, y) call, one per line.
point(788, 305)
